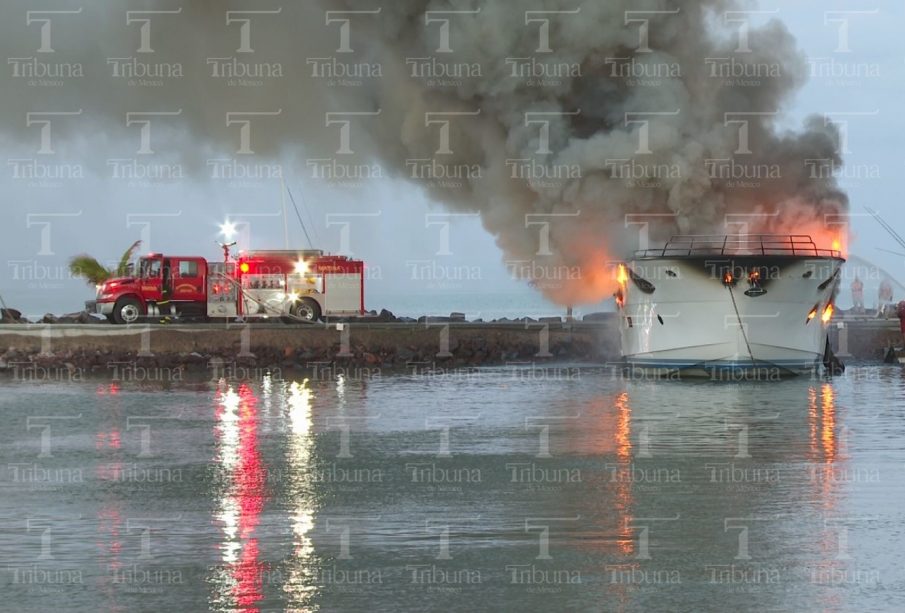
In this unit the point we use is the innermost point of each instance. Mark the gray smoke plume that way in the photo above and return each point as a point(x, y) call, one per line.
point(571, 127)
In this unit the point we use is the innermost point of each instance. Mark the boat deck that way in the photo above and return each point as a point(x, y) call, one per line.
point(708, 245)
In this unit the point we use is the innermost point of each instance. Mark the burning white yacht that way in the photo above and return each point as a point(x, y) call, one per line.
point(728, 305)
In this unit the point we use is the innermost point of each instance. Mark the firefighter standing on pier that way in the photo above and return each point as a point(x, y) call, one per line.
point(166, 294)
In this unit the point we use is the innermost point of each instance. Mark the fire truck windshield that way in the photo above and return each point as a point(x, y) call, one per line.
point(150, 269)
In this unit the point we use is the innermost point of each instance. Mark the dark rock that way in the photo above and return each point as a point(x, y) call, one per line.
point(386, 315)
point(456, 316)
point(82, 317)
point(11, 316)
point(49, 318)
point(550, 320)
point(406, 320)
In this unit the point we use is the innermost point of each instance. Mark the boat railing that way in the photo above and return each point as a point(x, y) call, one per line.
point(687, 245)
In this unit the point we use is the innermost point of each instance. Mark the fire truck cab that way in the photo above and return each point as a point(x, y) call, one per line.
point(293, 285)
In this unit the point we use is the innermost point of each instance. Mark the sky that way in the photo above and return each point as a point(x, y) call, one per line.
point(418, 254)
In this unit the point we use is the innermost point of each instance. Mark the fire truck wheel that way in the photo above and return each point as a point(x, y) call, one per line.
point(307, 309)
point(127, 310)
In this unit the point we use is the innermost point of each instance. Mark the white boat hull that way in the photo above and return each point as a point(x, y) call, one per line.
point(689, 325)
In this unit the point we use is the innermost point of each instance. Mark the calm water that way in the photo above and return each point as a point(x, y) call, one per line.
point(499, 489)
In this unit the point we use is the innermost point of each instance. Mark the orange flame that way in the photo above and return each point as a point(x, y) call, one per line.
point(812, 314)
point(622, 279)
point(827, 313)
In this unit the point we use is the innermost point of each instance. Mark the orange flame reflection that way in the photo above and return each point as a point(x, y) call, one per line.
point(624, 497)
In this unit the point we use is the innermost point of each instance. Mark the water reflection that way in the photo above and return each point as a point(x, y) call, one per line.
point(656, 483)
point(827, 473)
point(242, 476)
point(623, 496)
point(828, 418)
point(299, 585)
point(110, 522)
point(765, 511)
point(826, 460)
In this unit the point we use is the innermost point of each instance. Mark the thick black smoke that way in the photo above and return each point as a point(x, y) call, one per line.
point(572, 127)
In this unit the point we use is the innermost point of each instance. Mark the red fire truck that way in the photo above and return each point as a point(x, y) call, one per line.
point(291, 285)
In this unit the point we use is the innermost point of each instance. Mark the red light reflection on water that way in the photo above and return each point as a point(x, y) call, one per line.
point(245, 496)
point(109, 467)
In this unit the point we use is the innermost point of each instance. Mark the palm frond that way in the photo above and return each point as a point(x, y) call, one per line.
point(90, 269)
point(123, 267)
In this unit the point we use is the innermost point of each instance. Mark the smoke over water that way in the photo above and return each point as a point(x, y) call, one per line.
point(572, 128)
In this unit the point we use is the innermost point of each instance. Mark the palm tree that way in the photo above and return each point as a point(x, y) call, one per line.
point(95, 273)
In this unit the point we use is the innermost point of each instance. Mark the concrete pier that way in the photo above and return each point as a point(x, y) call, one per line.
point(864, 339)
point(103, 349)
